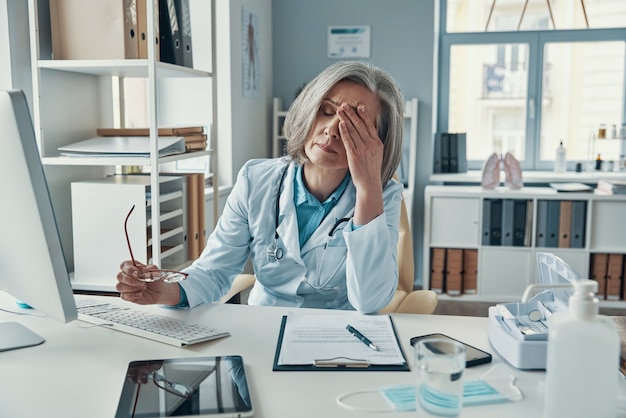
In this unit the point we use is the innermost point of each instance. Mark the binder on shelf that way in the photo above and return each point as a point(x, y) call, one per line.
point(454, 271)
point(184, 20)
point(142, 30)
point(123, 146)
point(528, 230)
point(552, 226)
point(492, 222)
point(437, 269)
point(445, 152)
point(565, 224)
point(193, 215)
point(614, 277)
point(453, 158)
point(496, 222)
point(470, 271)
point(200, 186)
point(104, 29)
point(519, 222)
point(508, 215)
point(579, 209)
point(542, 223)
point(458, 153)
point(437, 153)
point(598, 270)
point(171, 44)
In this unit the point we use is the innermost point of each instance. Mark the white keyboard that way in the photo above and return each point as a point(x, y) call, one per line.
point(143, 324)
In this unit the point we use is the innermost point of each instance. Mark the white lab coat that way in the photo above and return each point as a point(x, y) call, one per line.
point(358, 269)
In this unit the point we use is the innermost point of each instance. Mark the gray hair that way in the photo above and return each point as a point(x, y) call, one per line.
point(390, 121)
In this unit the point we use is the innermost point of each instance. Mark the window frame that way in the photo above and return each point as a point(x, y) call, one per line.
point(535, 41)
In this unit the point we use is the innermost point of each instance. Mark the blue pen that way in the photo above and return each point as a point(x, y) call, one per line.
point(361, 337)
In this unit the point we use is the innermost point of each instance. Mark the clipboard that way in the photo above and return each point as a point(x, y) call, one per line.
point(337, 363)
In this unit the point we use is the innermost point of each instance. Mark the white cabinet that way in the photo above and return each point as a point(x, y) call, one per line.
point(450, 230)
point(72, 98)
point(456, 217)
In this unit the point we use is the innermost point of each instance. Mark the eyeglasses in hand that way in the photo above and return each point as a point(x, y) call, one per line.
point(168, 276)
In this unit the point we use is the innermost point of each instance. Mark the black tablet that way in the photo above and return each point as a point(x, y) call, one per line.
point(474, 356)
point(186, 387)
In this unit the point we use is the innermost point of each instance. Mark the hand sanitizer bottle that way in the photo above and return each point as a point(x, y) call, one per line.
point(583, 359)
point(560, 163)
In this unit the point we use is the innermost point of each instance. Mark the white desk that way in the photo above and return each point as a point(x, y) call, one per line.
point(79, 370)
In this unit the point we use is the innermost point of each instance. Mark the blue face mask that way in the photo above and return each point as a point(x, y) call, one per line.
point(496, 386)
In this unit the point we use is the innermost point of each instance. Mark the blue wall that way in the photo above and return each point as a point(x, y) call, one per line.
point(402, 42)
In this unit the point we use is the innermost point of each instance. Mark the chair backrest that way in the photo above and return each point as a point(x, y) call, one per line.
point(406, 263)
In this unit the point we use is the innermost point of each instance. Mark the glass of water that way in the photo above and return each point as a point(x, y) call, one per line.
point(440, 364)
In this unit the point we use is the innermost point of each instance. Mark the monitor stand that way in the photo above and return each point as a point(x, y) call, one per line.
point(14, 336)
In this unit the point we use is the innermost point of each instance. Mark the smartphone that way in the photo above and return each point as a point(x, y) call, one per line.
point(474, 356)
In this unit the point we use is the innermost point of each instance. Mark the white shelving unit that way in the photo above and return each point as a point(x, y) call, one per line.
point(453, 218)
point(109, 200)
point(278, 139)
point(72, 98)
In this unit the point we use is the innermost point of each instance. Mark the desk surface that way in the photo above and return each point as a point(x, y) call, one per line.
point(80, 369)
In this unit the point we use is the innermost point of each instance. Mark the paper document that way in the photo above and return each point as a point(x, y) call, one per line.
point(324, 340)
point(118, 146)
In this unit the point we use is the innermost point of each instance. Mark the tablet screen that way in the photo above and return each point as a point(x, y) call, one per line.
point(188, 387)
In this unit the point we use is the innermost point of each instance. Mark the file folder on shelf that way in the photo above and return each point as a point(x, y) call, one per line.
point(598, 270)
point(565, 224)
point(103, 29)
point(184, 20)
point(542, 223)
point(454, 271)
point(437, 269)
point(552, 226)
point(142, 29)
point(508, 215)
point(458, 153)
point(171, 42)
point(579, 209)
point(193, 215)
point(123, 146)
point(614, 277)
point(492, 222)
point(445, 152)
point(470, 271)
point(437, 162)
point(520, 222)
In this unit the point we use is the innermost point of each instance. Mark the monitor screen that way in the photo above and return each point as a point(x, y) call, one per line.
point(32, 264)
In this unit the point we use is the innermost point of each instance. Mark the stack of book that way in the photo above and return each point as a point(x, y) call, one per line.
point(195, 137)
point(612, 186)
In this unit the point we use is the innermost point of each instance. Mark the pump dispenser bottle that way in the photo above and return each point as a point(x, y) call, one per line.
point(583, 359)
point(560, 162)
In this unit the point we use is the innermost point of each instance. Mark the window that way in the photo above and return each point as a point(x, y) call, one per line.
point(520, 76)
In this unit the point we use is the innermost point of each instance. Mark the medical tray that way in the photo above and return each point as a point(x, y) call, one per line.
point(519, 331)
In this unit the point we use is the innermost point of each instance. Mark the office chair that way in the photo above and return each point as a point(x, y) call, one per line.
point(405, 300)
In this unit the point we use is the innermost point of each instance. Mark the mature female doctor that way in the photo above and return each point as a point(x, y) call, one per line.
point(321, 225)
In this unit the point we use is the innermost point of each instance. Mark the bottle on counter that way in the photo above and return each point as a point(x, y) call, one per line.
point(598, 163)
point(583, 359)
point(560, 162)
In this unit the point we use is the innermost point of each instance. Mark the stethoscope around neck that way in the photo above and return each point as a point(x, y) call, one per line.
point(274, 251)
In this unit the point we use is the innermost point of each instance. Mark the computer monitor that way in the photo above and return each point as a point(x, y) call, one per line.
point(32, 264)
